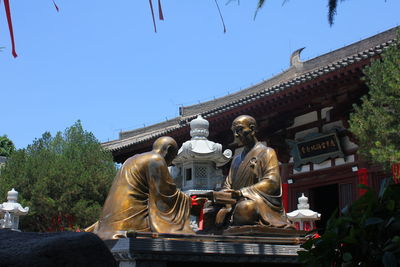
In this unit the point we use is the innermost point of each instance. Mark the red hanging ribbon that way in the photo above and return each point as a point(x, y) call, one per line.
point(55, 5)
point(160, 10)
point(10, 27)
point(220, 15)
point(152, 14)
point(160, 13)
point(396, 172)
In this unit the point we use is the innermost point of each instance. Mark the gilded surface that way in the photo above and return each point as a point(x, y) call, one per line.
point(254, 181)
point(144, 198)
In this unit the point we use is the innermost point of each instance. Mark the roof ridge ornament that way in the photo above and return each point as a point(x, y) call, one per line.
point(295, 58)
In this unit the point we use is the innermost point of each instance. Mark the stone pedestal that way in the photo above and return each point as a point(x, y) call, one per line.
point(279, 234)
point(163, 250)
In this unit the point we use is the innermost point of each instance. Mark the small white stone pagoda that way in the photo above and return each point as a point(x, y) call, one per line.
point(10, 211)
point(196, 164)
point(303, 218)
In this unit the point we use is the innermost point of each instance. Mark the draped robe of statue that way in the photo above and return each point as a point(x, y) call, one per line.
point(144, 198)
point(256, 175)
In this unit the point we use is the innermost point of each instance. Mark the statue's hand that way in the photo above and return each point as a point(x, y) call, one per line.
point(220, 218)
point(235, 194)
point(224, 197)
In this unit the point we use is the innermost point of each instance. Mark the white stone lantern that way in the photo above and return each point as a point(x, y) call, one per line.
point(303, 218)
point(198, 159)
point(10, 211)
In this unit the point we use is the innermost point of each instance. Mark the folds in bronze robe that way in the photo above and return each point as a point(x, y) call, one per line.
point(256, 175)
point(144, 198)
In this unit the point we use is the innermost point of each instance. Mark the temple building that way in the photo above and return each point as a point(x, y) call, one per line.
point(303, 114)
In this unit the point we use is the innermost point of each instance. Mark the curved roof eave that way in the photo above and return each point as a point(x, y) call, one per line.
point(295, 75)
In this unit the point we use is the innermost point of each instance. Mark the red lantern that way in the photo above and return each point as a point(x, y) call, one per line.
point(362, 175)
point(307, 226)
point(396, 172)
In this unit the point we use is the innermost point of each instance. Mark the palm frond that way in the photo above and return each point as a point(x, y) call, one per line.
point(259, 5)
point(332, 5)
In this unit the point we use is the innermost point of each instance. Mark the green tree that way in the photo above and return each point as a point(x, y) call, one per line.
point(6, 146)
point(63, 179)
point(376, 122)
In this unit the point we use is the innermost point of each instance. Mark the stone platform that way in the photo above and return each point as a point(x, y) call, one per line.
point(164, 250)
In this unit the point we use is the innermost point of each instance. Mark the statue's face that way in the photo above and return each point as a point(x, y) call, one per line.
point(243, 132)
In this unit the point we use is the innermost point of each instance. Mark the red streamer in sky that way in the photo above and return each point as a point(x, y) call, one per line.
point(152, 14)
point(160, 13)
point(220, 14)
point(10, 27)
point(160, 10)
point(55, 5)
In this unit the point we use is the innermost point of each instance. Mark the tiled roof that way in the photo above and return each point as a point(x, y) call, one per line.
point(297, 74)
point(143, 134)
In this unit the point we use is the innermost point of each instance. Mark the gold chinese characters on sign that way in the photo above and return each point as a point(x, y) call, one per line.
point(321, 145)
point(317, 147)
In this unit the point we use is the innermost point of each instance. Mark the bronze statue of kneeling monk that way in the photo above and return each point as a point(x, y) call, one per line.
point(144, 198)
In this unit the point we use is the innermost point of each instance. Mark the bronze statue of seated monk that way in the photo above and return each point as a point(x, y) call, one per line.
point(144, 198)
point(252, 191)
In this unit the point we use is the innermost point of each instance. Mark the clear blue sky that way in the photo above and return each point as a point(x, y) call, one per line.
point(101, 62)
